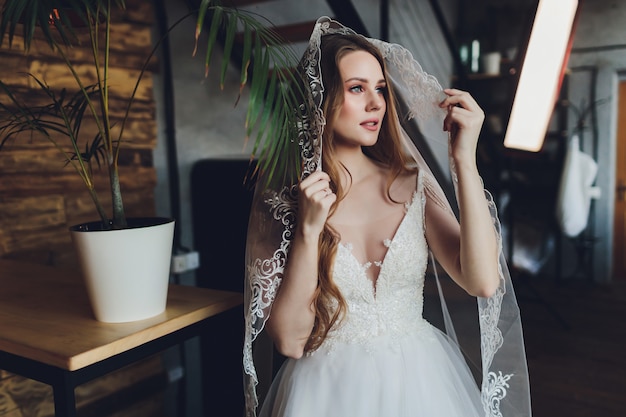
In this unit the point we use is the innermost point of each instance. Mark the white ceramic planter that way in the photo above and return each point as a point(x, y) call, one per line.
point(126, 271)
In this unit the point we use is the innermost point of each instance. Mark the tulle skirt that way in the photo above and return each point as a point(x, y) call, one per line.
point(418, 375)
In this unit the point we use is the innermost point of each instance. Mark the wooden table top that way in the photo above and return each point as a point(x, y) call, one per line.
point(45, 315)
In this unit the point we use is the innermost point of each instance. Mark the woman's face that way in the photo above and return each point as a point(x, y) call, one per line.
point(358, 121)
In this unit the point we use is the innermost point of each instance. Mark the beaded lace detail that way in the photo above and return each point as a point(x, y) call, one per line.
point(392, 306)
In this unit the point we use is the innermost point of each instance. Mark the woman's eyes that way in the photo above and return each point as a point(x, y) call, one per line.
point(360, 89)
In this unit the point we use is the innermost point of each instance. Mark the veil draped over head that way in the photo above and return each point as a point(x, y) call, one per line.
point(502, 370)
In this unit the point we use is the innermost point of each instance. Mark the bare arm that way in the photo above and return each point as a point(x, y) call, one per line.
point(468, 251)
point(293, 315)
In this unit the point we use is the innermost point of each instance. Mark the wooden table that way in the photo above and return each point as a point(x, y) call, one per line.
point(48, 332)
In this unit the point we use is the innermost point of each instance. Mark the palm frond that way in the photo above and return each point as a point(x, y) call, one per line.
point(94, 151)
point(259, 70)
point(60, 116)
point(231, 30)
point(274, 93)
point(212, 40)
point(245, 57)
point(265, 59)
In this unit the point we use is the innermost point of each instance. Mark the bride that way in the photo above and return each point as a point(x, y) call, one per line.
point(339, 283)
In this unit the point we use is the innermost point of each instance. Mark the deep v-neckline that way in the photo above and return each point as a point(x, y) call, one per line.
point(347, 246)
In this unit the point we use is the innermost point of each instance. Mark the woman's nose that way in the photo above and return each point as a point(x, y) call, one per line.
point(375, 100)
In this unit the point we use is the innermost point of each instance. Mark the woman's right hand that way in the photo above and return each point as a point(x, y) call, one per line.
point(314, 201)
point(293, 313)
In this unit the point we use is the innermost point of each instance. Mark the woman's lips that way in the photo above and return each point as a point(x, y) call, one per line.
point(370, 125)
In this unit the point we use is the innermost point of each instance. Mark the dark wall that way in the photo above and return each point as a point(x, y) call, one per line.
point(220, 208)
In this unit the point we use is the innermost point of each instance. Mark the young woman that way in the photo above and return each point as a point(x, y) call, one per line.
point(341, 292)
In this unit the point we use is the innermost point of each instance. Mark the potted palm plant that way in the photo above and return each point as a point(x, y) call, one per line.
point(113, 241)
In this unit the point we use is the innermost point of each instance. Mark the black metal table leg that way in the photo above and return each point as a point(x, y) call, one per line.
point(64, 395)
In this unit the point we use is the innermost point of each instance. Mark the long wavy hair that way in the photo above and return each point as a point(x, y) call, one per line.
point(330, 306)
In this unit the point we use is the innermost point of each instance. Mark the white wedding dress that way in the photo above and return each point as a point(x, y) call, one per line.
point(384, 359)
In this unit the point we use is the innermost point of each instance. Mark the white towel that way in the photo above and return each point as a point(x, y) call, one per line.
point(576, 189)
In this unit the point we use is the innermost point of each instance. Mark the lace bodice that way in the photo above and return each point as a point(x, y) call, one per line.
point(393, 305)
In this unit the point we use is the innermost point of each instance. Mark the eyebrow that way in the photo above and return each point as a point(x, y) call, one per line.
point(364, 80)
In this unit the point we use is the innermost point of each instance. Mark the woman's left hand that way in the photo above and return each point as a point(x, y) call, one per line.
point(464, 122)
point(468, 253)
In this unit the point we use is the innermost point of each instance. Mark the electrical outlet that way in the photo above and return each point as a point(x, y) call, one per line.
point(179, 264)
point(193, 260)
point(184, 262)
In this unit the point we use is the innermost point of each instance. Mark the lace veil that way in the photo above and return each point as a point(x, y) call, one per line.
point(499, 357)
